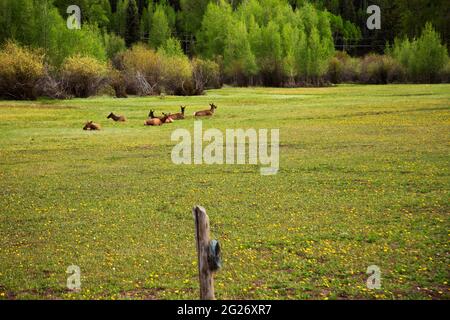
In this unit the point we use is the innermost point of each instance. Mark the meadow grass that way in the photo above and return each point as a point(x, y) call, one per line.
point(363, 180)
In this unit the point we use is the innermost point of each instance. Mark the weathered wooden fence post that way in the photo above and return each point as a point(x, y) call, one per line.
point(208, 254)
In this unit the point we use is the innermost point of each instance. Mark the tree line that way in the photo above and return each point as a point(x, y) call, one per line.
point(244, 42)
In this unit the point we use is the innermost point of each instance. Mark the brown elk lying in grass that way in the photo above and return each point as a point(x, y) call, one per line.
point(206, 113)
point(179, 116)
point(91, 126)
point(151, 115)
point(168, 119)
point(116, 118)
point(156, 122)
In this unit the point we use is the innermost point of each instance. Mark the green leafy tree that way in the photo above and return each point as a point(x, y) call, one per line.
point(269, 54)
point(170, 13)
point(19, 21)
point(214, 29)
point(238, 57)
point(89, 43)
point(160, 30)
point(113, 44)
point(99, 13)
point(290, 43)
point(302, 55)
point(172, 47)
point(424, 57)
point(254, 34)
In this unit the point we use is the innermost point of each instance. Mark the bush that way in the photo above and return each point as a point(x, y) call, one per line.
point(172, 47)
point(83, 76)
point(352, 70)
point(48, 86)
point(377, 69)
point(118, 83)
point(394, 70)
point(335, 68)
point(205, 75)
point(176, 74)
point(343, 68)
point(445, 73)
point(87, 42)
point(424, 58)
point(143, 70)
point(373, 68)
point(21, 69)
point(148, 72)
point(114, 45)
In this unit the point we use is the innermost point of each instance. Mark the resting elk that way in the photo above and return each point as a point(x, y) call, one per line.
point(91, 126)
point(116, 118)
point(179, 116)
point(206, 113)
point(156, 122)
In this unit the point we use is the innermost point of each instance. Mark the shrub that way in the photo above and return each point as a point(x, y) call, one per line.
point(176, 74)
point(118, 83)
point(394, 70)
point(377, 69)
point(423, 58)
point(21, 69)
point(148, 72)
point(335, 70)
point(83, 76)
point(372, 70)
point(343, 68)
point(114, 45)
point(445, 73)
point(172, 47)
point(205, 75)
point(87, 42)
point(352, 70)
point(49, 86)
point(142, 67)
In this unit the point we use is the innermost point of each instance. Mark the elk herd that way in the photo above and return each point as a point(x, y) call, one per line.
point(154, 120)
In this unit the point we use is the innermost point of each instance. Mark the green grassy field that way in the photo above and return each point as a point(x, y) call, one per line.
point(363, 180)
